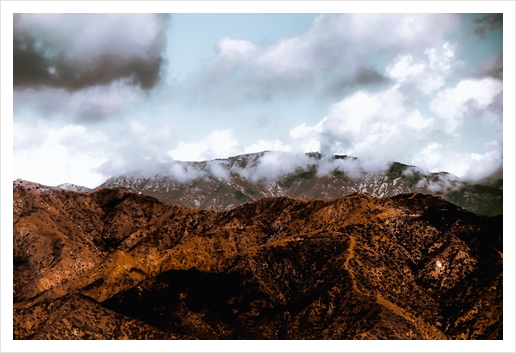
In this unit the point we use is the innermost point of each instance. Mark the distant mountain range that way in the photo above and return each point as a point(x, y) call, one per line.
point(226, 183)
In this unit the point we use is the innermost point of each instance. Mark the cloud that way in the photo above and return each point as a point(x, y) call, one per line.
point(265, 145)
point(71, 153)
point(468, 96)
point(430, 156)
point(273, 164)
point(335, 56)
point(489, 22)
point(218, 143)
point(307, 138)
point(417, 122)
point(138, 146)
point(27, 137)
point(467, 166)
point(351, 166)
point(148, 168)
point(151, 142)
point(387, 87)
point(218, 169)
point(363, 123)
point(491, 67)
point(89, 105)
point(234, 49)
point(384, 126)
point(76, 51)
point(75, 138)
point(183, 172)
point(425, 74)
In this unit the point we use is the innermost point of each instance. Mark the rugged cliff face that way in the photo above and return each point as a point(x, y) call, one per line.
point(112, 264)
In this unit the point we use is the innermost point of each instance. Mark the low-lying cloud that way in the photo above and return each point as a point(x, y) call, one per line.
point(272, 165)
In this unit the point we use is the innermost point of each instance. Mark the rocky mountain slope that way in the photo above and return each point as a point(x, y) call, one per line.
point(227, 183)
point(113, 264)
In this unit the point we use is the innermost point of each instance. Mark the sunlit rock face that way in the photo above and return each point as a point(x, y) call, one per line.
point(114, 264)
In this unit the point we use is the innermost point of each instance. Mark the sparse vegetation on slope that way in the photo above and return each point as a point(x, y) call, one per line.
point(112, 264)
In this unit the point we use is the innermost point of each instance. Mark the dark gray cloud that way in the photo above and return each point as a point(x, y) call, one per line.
point(489, 22)
point(369, 76)
point(492, 67)
point(364, 77)
point(76, 51)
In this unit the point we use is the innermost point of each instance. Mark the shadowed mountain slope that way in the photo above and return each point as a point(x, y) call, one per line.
point(112, 264)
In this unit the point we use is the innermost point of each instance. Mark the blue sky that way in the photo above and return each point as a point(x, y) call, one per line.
point(101, 95)
point(191, 52)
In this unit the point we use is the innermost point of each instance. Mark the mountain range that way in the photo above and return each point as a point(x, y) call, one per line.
point(226, 183)
point(117, 264)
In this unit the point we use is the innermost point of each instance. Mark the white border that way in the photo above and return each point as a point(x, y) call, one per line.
point(7, 10)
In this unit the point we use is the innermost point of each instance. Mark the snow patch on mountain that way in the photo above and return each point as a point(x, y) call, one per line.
point(73, 187)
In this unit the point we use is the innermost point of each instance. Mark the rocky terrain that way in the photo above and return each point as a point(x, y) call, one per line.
point(114, 264)
point(226, 183)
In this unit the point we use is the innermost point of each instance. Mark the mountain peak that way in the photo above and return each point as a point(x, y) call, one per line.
point(226, 183)
point(223, 184)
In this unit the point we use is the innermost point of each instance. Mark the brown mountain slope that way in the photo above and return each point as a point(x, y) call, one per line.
point(112, 264)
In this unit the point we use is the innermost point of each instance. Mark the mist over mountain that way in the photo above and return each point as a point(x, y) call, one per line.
point(226, 183)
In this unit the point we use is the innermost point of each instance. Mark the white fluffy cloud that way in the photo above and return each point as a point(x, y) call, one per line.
point(453, 104)
point(426, 73)
point(418, 122)
point(382, 126)
point(358, 115)
point(63, 154)
point(266, 145)
point(218, 169)
point(183, 172)
point(306, 138)
point(337, 52)
point(273, 164)
point(220, 143)
point(138, 146)
point(235, 49)
point(468, 166)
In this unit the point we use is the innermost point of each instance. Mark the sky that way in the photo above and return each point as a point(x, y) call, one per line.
point(100, 95)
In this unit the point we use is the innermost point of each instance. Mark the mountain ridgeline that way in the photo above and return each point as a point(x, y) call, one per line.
point(116, 264)
point(226, 183)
